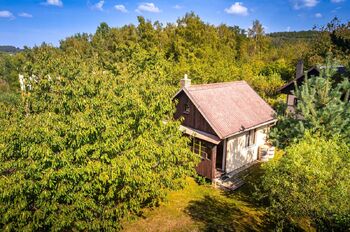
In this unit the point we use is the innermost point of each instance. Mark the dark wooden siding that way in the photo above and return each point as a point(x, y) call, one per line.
point(194, 118)
point(206, 167)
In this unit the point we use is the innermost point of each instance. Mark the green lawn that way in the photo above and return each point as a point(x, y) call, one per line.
point(202, 208)
point(205, 208)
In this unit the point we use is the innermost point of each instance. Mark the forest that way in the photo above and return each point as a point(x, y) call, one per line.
point(9, 49)
point(88, 141)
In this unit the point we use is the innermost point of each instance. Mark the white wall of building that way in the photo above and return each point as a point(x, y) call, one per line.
point(238, 155)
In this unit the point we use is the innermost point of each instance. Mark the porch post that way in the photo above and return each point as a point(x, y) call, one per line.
point(213, 161)
point(224, 149)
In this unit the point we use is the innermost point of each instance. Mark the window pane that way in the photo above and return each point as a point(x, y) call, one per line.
point(200, 149)
point(247, 140)
point(252, 137)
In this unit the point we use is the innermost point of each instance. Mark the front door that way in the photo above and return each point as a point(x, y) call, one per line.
point(220, 156)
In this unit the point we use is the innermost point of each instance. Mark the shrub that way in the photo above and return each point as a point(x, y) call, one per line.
point(312, 180)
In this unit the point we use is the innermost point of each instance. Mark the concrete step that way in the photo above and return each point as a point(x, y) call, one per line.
point(233, 180)
point(219, 173)
point(230, 184)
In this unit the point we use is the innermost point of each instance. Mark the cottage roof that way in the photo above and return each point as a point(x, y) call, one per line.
point(230, 107)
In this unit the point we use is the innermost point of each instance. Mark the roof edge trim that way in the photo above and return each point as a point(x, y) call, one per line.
point(251, 128)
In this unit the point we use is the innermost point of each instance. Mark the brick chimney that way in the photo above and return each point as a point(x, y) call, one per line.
point(300, 69)
point(185, 82)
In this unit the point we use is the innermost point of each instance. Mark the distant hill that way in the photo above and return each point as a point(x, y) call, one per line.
point(9, 49)
point(294, 35)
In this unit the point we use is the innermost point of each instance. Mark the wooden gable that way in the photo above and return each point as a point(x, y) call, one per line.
point(191, 115)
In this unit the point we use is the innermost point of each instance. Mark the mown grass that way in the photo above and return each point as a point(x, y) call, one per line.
point(202, 208)
point(205, 208)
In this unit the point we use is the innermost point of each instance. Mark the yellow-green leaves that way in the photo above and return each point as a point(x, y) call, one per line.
point(93, 148)
point(310, 181)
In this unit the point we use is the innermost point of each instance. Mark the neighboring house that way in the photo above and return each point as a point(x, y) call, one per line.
point(227, 123)
point(289, 88)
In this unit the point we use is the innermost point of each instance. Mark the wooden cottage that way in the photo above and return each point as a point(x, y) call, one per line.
point(227, 123)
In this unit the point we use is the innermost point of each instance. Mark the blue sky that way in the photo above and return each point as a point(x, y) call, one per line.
point(31, 22)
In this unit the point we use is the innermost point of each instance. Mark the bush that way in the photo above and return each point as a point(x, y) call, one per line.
point(312, 180)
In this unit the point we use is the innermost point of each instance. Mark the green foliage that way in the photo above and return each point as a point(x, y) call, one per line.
point(295, 35)
point(323, 107)
point(333, 37)
point(311, 181)
point(260, 41)
point(9, 98)
point(9, 49)
point(89, 148)
point(8, 72)
point(9, 84)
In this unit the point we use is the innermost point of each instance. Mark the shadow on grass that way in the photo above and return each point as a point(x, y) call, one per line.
point(247, 192)
point(220, 215)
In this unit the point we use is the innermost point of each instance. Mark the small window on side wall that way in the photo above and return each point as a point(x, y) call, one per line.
point(250, 138)
point(187, 108)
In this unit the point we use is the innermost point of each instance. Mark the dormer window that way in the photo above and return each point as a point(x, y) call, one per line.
point(187, 108)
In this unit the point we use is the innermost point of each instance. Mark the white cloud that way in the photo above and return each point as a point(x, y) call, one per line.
point(298, 4)
point(6, 14)
point(318, 15)
point(336, 9)
point(148, 7)
point(53, 3)
point(178, 7)
point(99, 5)
point(337, 1)
point(238, 9)
point(288, 28)
point(25, 15)
point(121, 8)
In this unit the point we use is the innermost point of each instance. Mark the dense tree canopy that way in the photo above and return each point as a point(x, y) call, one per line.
point(91, 147)
point(207, 53)
point(9, 49)
point(333, 37)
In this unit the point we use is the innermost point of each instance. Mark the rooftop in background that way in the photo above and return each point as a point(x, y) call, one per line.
point(314, 71)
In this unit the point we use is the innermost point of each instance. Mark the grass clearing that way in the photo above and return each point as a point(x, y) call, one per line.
point(202, 208)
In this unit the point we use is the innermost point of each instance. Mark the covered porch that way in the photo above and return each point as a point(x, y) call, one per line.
point(211, 150)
